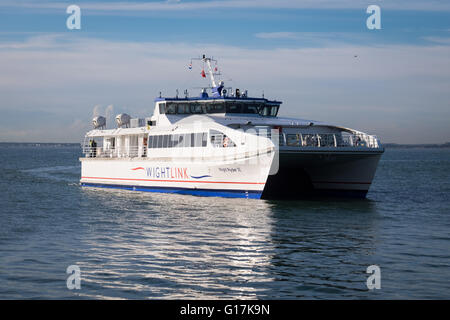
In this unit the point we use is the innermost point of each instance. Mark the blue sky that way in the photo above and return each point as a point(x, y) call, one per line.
point(302, 52)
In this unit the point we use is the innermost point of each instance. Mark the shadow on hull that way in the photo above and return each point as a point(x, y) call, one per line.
point(296, 184)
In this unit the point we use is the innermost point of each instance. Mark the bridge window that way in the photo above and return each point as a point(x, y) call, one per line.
point(196, 108)
point(162, 108)
point(265, 111)
point(183, 108)
point(250, 108)
point(234, 108)
point(269, 111)
point(215, 107)
point(171, 108)
point(274, 111)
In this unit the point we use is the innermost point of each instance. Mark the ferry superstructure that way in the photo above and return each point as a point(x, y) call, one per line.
point(225, 143)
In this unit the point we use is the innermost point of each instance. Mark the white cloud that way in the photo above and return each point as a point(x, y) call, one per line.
point(278, 35)
point(398, 92)
point(317, 39)
point(439, 40)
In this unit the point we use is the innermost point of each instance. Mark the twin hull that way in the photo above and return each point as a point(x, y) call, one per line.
point(314, 172)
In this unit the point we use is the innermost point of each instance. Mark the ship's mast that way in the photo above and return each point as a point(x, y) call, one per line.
point(211, 72)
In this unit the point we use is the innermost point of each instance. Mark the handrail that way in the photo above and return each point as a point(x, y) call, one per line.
point(120, 152)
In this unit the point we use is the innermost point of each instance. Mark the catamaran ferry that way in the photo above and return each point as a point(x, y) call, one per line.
point(225, 143)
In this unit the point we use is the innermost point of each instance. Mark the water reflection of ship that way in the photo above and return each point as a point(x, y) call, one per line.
point(185, 250)
point(181, 247)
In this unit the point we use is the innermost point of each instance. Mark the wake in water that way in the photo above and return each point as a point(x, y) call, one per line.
point(57, 173)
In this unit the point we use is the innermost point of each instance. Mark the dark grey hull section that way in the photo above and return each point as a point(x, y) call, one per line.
point(309, 173)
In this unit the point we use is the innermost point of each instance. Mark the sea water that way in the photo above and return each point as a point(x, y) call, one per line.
point(137, 245)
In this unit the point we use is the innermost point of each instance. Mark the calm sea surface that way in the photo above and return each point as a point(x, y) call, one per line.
point(146, 245)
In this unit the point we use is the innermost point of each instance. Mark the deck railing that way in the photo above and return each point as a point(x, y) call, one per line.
point(320, 140)
point(120, 152)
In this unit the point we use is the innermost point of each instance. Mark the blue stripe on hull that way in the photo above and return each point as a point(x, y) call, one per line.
point(196, 192)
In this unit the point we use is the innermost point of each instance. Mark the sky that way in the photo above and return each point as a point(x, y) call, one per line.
point(317, 56)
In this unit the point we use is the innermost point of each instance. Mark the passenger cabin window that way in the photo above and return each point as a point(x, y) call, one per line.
point(293, 140)
point(220, 140)
point(182, 140)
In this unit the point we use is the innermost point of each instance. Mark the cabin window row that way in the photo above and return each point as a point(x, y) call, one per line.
point(182, 140)
point(196, 108)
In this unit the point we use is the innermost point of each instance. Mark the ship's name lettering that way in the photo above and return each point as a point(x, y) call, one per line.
point(232, 170)
point(167, 172)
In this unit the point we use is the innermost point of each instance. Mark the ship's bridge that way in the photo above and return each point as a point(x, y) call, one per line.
point(220, 100)
point(224, 105)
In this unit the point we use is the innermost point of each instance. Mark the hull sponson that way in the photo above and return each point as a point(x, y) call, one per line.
point(236, 178)
point(306, 174)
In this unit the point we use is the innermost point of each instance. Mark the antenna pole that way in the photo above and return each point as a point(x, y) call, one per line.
point(210, 69)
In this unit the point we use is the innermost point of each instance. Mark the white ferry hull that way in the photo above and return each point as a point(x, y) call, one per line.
point(237, 179)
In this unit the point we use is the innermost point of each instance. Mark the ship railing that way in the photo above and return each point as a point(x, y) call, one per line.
point(331, 140)
point(118, 152)
point(317, 140)
point(185, 153)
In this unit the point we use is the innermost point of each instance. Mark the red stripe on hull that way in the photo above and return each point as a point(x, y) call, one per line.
point(155, 180)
